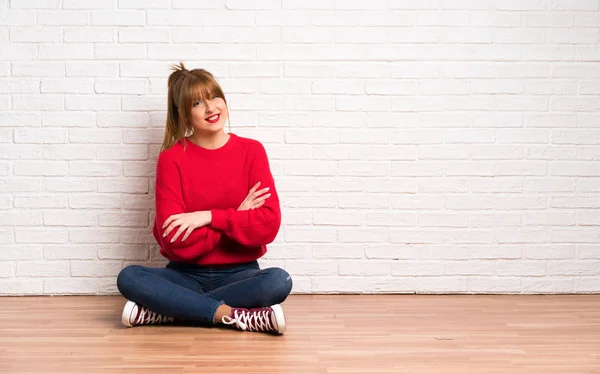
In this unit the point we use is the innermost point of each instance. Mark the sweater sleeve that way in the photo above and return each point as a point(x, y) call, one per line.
point(254, 227)
point(169, 201)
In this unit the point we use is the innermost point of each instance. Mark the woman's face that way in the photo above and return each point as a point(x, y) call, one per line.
point(209, 116)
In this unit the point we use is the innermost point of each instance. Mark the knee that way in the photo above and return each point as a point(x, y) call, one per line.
point(281, 283)
point(126, 278)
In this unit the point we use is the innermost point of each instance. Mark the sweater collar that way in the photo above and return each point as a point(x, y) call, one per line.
point(209, 152)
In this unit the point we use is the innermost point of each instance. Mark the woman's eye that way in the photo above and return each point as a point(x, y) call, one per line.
point(197, 103)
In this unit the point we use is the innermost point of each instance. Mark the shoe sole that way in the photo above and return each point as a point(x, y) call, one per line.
point(280, 318)
point(126, 316)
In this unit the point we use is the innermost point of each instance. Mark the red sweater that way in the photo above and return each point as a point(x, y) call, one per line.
point(218, 180)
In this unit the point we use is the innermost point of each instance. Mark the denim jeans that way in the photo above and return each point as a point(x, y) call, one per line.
point(194, 293)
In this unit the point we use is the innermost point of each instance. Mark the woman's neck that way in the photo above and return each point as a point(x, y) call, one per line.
point(210, 141)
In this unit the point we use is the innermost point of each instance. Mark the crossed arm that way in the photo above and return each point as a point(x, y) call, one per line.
point(254, 223)
point(188, 222)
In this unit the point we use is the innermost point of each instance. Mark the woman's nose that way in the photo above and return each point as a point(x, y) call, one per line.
point(209, 106)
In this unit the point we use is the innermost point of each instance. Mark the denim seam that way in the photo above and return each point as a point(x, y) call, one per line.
point(260, 272)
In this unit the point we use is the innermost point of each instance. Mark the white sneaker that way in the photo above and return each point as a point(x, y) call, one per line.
point(134, 314)
point(269, 319)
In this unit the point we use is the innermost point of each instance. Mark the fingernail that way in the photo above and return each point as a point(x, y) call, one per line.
point(268, 188)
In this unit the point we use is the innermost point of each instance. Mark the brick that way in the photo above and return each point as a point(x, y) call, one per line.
point(69, 286)
point(359, 235)
point(62, 18)
point(16, 218)
point(555, 285)
point(95, 201)
point(118, 18)
point(20, 152)
point(95, 268)
point(68, 119)
point(33, 235)
point(92, 168)
point(441, 285)
point(123, 185)
point(122, 119)
point(40, 168)
point(69, 218)
point(42, 269)
point(325, 217)
point(104, 136)
point(374, 285)
point(121, 51)
point(495, 285)
point(69, 184)
point(92, 69)
point(310, 235)
point(332, 251)
point(38, 102)
point(363, 268)
point(416, 268)
point(100, 4)
point(148, 4)
point(22, 286)
point(36, 35)
point(312, 267)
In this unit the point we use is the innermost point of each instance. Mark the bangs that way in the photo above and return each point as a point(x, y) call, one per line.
point(202, 89)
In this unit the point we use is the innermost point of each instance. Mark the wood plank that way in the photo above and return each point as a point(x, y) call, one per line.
point(326, 334)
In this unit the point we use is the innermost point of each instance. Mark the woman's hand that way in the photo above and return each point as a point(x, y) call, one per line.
point(254, 199)
point(186, 221)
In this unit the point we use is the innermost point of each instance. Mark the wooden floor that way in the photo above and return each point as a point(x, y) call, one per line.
point(326, 334)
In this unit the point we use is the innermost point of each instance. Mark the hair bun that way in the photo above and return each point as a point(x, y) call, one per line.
point(178, 67)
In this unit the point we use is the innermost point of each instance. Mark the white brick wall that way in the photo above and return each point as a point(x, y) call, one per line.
point(432, 146)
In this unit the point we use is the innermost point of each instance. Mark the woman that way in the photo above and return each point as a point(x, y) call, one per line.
point(212, 221)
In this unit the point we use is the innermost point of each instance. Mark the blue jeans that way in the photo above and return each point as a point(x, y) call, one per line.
point(193, 293)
